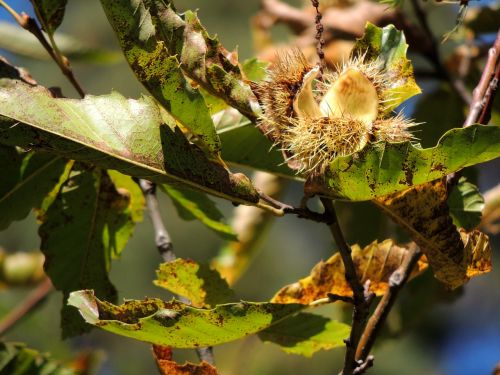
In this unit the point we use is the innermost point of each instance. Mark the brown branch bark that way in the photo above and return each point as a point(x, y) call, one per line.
point(32, 301)
point(361, 297)
point(396, 282)
point(29, 24)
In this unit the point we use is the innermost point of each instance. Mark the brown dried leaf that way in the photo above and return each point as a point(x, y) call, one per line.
point(166, 366)
point(376, 262)
point(422, 210)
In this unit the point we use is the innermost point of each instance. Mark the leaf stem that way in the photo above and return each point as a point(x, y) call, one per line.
point(361, 297)
point(396, 282)
point(28, 23)
point(31, 302)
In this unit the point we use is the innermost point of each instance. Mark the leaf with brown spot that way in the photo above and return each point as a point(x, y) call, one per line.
point(376, 262)
point(166, 366)
point(423, 212)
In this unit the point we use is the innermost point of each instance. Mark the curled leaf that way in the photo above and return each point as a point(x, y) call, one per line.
point(178, 325)
point(423, 212)
point(376, 262)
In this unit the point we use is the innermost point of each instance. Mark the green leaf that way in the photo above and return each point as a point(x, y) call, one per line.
point(27, 179)
point(466, 205)
point(21, 42)
point(178, 325)
point(87, 224)
point(202, 285)
point(135, 137)
point(384, 168)
point(254, 69)
point(243, 144)
point(305, 334)
point(193, 205)
point(17, 359)
point(143, 28)
point(50, 13)
point(388, 46)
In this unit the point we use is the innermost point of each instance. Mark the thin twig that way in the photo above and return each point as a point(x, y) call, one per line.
point(484, 93)
point(166, 248)
point(319, 36)
point(28, 23)
point(162, 238)
point(361, 297)
point(32, 301)
point(396, 282)
point(433, 55)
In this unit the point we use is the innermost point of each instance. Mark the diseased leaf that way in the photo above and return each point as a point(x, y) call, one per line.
point(376, 262)
point(147, 31)
point(306, 334)
point(132, 136)
point(466, 205)
point(167, 366)
point(21, 42)
point(388, 46)
point(50, 13)
point(178, 325)
point(384, 168)
point(17, 359)
point(88, 223)
point(202, 285)
point(422, 211)
point(27, 179)
point(193, 205)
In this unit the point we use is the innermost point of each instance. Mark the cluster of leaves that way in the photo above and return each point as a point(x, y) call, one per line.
point(76, 162)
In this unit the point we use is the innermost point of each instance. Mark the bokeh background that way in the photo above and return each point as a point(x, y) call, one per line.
point(431, 331)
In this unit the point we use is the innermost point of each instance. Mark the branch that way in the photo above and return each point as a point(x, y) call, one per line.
point(484, 93)
point(361, 297)
point(28, 23)
point(165, 247)
point(31, 302)
point(378, 318)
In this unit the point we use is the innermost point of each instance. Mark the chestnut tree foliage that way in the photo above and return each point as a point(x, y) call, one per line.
point(90, 168)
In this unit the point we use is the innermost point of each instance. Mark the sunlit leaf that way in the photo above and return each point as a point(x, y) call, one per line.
point(148, 31)
point(27, 179)
point(167, 366)
point(384, 168)
point(423, 212)
point(193, 205)
point(197, 282)
point(50, 13)
point(388, 46)
point(376, 262)
point(133, 136)
point(178, 325)
point(466, 205)
point(17, 359)
point(21, 42)
point(305, 334)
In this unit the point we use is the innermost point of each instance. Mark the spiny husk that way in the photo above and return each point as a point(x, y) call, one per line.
point(314, 122)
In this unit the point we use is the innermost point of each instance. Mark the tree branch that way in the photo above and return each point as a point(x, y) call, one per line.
point(31, 302)
point(28, 23)
point(396, 282)
point(361, 297)
point(166, 248)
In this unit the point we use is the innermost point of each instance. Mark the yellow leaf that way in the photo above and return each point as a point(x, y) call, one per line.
point(454, 256)
point(376, 262)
